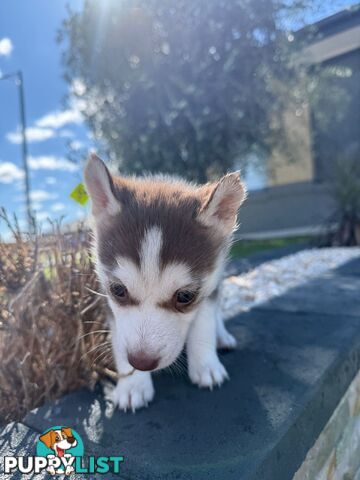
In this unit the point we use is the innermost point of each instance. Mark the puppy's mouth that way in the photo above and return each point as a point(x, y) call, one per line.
point(59, 451)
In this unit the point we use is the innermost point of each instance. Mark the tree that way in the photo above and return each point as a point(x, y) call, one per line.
point(181, 86)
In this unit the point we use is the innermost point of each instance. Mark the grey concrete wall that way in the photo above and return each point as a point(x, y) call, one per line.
point(285, 207)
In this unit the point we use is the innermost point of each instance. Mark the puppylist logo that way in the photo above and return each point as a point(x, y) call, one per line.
point(60, 450)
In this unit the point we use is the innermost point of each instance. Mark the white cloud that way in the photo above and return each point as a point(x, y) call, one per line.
point(33, 134)
point(78, 87)
point(58, 207)
point(42, 195)
point(66, 133)
point(77, 145)
point(46, 126)
point(6, 47)
point(50, 180)
point(50, 162)
point(58, 118)
point(9, 172)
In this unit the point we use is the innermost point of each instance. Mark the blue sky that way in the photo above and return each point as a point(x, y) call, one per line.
point(28, 42)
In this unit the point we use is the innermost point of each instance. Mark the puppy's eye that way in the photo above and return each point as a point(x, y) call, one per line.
point(118, 290)
point(57, 438)
point(184, 297)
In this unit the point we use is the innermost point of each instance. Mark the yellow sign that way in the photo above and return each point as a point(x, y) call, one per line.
point(79, 194)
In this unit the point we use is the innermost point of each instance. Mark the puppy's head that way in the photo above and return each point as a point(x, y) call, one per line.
point(160, 245)
point(59, 440)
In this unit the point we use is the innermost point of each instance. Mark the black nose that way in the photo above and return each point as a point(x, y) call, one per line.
point(141, 361)
point(70, 439)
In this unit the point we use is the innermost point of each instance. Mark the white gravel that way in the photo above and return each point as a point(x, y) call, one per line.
point(274, 278)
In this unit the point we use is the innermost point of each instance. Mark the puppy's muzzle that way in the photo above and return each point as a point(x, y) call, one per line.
point(142, 361)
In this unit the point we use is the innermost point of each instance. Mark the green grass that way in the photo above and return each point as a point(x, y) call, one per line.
point(243, 248)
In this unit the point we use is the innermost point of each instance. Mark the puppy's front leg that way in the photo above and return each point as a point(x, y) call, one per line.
point(205, 368)
point(133, 391)
point(134, 388)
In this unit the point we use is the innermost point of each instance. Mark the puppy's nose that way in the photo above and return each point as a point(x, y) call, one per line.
point(71, 439)
point(142, 361)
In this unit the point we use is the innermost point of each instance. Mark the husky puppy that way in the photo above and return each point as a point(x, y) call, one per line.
point(160, 247)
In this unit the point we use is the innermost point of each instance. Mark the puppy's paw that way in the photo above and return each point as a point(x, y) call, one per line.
point(69, 470)
point(208, 374)
point(51, 470)
point(225, 341)
point(133, 392)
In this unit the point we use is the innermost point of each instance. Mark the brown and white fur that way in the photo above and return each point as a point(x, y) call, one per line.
point(160, 246)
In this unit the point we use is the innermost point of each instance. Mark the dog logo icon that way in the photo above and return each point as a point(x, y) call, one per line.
point(60, 445)
point(60, 451)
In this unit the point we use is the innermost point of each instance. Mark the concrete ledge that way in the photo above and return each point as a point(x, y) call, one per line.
point(292, 367)
point(336, 452)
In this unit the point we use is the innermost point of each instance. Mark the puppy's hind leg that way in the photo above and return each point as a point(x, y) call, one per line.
point(224, 339)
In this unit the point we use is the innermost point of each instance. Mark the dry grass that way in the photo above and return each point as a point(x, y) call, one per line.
point(53, 334)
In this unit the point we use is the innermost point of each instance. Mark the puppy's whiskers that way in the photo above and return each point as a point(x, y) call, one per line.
point(105, 355)
point(96, 347)
point(94, 332)
point(96, 293)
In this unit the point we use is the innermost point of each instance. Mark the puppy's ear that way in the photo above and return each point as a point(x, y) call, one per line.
point(47, 439)
point(222, 202)
point(100, 187)
point(67, 431)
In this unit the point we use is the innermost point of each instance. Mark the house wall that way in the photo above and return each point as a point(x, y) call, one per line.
point(316, 139)
point(336, 115)
point(298, 197)
point(285, 207)
point(297, 165)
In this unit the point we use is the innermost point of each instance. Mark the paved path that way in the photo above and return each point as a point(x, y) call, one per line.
point(297, 355)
